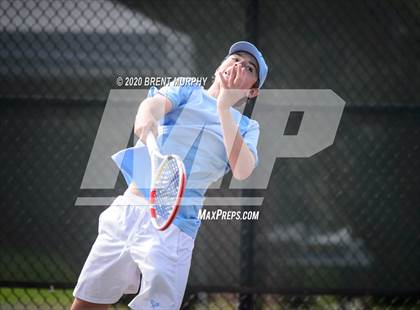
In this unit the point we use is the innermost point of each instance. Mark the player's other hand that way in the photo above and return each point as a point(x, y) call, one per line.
point(232, 86)
point(145, 122)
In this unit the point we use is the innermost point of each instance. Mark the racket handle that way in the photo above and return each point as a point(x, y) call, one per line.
point(151, 143)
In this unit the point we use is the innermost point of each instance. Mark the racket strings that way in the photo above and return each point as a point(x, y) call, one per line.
point(167, 188)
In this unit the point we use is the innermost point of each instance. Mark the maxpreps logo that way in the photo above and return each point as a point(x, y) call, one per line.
point(219, 214)
point(293, 124)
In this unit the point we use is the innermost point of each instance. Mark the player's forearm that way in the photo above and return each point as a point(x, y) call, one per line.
point(152, 107)
point(149, 112)
point(241, 159)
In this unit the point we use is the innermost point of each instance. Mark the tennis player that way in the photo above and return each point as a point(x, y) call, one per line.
point(203, 128)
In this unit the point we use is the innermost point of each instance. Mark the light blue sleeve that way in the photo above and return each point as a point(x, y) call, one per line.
point(178, 95)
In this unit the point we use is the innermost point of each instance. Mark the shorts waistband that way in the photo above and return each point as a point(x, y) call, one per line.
point(135, 200)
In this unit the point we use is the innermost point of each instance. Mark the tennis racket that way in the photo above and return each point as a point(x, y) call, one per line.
point(167, 185)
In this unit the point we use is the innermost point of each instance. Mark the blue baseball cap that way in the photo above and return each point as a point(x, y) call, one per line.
point(244, 46)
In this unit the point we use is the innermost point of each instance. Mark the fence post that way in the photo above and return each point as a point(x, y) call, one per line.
point(246, 300)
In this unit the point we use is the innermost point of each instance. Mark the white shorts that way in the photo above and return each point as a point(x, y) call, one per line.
point(127, 247)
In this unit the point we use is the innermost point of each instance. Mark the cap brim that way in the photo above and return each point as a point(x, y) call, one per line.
point(243, 46)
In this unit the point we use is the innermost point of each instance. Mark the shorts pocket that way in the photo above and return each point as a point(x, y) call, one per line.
point(185, 242)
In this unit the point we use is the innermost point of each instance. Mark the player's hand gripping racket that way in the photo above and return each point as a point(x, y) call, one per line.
point(168, 185)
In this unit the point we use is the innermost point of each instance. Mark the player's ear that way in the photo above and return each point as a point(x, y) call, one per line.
point(253, 92)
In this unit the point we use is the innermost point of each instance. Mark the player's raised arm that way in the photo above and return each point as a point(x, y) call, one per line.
point(150, 111)
point(241, 159)
point(236, 80)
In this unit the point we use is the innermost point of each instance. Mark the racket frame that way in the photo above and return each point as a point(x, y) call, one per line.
point(155, 155)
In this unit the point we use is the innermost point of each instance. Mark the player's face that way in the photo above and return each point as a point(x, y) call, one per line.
point(250, 75)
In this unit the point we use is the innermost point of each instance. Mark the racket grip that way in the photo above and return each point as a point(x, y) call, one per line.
point(151, 142)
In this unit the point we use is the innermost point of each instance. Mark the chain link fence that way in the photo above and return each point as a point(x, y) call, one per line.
point(338, 230)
